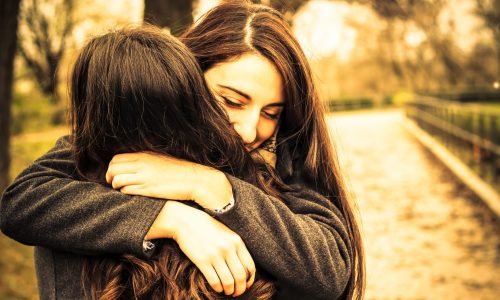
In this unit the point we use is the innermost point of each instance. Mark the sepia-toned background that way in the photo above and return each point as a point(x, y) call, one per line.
point(403, 80)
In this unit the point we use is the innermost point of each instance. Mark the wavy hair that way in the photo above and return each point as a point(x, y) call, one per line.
point(234, 28)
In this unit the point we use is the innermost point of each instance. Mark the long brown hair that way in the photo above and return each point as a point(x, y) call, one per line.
point(137, 90)
point(234, 28)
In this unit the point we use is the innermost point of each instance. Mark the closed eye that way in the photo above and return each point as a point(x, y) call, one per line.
point(272, 116)
point(231, 103)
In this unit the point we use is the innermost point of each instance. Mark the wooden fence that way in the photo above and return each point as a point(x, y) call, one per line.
point(349, 104)
point(470, 131)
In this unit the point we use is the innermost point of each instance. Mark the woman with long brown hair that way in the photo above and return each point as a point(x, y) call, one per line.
point(307, 239)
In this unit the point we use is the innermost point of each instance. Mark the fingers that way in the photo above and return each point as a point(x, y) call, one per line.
point(122, 164)
point(248, 263)
point(125, 157)
point(225, 276)
point(250, 281)
point(211, 276)
point(121, 180)
point(239, 273)
point(134, 189)
point(205, 240)
point(115, 168)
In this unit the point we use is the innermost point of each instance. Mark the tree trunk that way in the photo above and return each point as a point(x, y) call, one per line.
point(9, 10)
point(174, 14)
point(496, 33)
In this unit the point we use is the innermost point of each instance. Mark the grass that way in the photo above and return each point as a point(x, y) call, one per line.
point(491, 105)
point(17, 273)
point(17, 279)
point(25, 148)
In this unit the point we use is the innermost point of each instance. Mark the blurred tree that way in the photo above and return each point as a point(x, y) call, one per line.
point(287, 7)
point(177, 14)
point(489, 11)
point(47, 27)
point(9, 10)
point(174, 14)
point(425, 15)
point(482, 66)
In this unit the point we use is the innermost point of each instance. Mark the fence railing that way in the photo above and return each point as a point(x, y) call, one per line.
point(349, 104)
point(470, 131)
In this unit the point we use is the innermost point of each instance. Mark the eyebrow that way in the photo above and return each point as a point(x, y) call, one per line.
point(246, 96)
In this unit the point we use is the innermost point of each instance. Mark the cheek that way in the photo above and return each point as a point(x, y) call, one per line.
point(230, 114)
point(266, 129)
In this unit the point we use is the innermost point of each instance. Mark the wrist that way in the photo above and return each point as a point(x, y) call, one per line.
point(166, 223)
point(215, 191)
point(225, 208)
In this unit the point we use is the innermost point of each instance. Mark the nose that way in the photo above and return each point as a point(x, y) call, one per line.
point(246, 126)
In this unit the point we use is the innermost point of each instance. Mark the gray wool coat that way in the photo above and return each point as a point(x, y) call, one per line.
point(301, 241)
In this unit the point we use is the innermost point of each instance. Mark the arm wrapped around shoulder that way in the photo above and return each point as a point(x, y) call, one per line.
point(47, 206)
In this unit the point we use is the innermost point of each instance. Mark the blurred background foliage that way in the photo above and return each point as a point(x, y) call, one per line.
point(364, 53)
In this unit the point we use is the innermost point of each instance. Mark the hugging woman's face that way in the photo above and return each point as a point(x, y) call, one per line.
point(250, 89)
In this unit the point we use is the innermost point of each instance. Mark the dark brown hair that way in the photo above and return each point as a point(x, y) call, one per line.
point(235, 28)
point(138, 90)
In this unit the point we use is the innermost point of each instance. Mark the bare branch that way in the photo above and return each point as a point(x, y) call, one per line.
point(43, 47)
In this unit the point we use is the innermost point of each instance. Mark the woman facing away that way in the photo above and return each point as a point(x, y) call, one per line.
point(158, 104)
point(307, 240)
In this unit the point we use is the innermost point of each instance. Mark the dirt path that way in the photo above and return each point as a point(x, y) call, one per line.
point(426, 236)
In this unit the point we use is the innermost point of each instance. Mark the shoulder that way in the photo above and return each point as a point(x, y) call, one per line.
point(63, 142)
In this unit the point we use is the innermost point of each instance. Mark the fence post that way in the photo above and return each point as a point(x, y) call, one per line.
point(469, 131)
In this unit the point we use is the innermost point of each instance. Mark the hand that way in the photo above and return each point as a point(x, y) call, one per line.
point(161, 176)
point(218, 252)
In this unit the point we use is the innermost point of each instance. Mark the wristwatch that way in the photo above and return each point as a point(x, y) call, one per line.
point(226, 207)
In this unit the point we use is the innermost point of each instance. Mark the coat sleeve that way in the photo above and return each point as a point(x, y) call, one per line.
point(46, 206)
point(302, 240)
